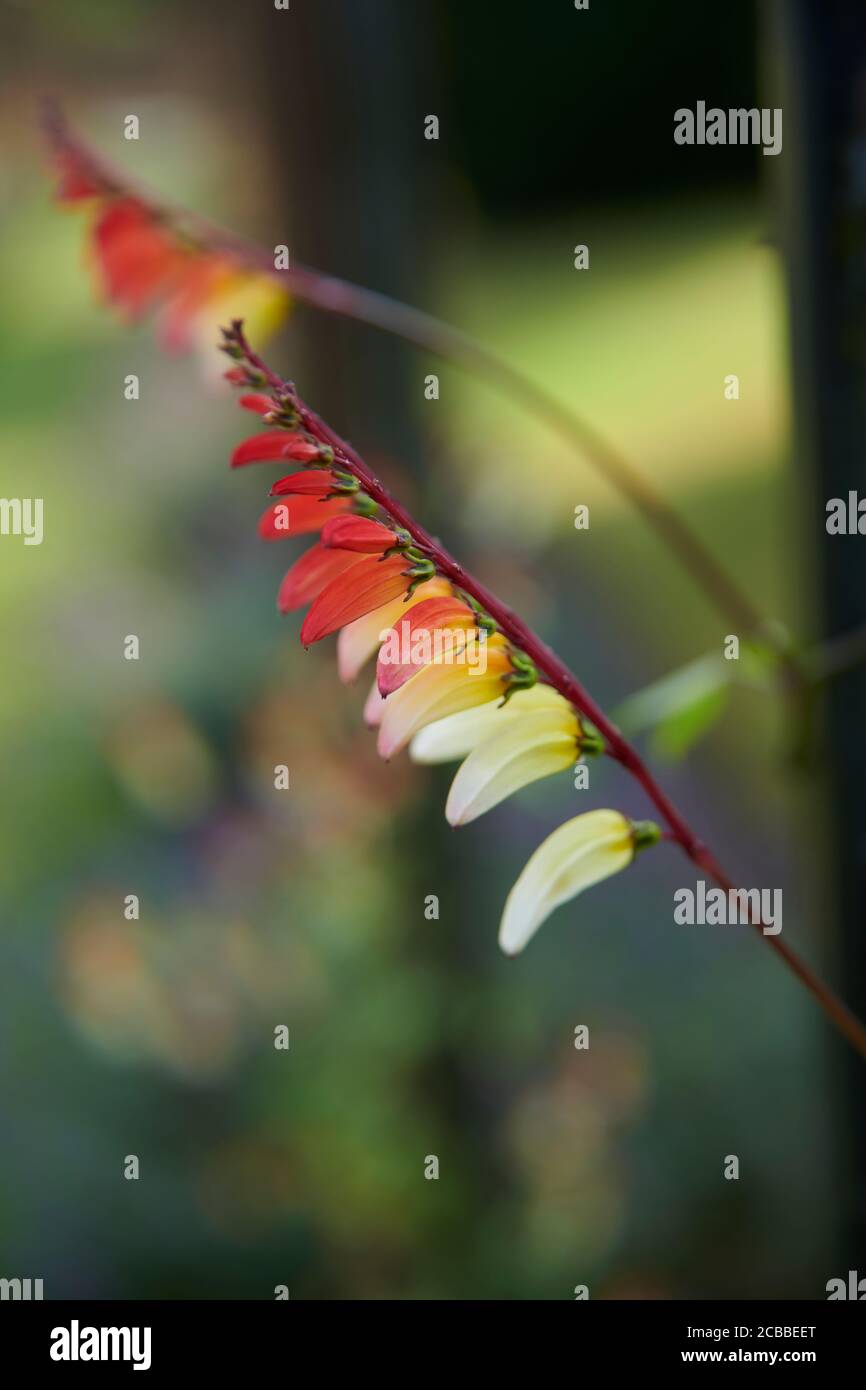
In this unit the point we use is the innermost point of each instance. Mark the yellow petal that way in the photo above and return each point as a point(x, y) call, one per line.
point(447, 740)
point(257, 299)
point(577, 855)
point(534, 746)
point(436, 691)
point(358, 641)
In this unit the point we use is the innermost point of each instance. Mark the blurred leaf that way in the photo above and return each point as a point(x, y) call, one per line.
point(676, 735)
point(680, 708)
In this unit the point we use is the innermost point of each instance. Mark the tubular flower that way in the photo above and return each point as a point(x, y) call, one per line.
point(360, 589)
point(358, 533)
point(438, 690)
point(538, 744)
point(309, 574)
point(450, 681)
point(577, 855)
point(144, 262)
point(359, 641)
point(309, 483)
point(448, 740)
point(407, 645)
point(293, 445)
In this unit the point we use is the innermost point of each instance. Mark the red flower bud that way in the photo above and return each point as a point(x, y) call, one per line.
point(316, 482)
point(358, 533)
point(278, 444)
point(262, 405)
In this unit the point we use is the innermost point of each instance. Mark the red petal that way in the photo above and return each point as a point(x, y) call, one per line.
point(76, 180)
point(138, 260)
point(200, 280)
point(298, 517)
point(262, 405)
point(309, 575)
point(315, 482)
point(358, 590)
point(358, 533)
point(428, 616)
point(276, 444)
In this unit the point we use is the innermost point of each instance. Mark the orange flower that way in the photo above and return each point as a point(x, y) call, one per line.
point(145, 262)
point(360, 589)
point(435, 626)
point(310, 574)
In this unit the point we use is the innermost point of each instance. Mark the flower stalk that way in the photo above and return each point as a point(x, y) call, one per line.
point(533, 655)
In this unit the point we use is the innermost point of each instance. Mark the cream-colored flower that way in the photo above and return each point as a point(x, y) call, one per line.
point(541, 742)
point(448, 740)
point(578, 854)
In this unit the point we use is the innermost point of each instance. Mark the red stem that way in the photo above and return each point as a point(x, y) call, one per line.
point(559, 676)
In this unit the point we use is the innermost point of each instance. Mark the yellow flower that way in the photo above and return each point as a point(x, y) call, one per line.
point(438, 690)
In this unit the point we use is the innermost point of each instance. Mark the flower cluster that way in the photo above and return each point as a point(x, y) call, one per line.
point(145, 263)
point(449, 685)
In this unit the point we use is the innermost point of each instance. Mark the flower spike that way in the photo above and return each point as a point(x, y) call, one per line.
point(445, 708)
point(449, 681)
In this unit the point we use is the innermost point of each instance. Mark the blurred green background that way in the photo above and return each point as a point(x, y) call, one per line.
point(409, 1037)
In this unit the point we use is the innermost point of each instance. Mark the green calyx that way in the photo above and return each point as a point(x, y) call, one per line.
point(483, 620)
point(402, 546)
point(422, 569)
point(589, 742)
point(644, 833)
point(522, 676)
point(288, 419)
point(343, 483)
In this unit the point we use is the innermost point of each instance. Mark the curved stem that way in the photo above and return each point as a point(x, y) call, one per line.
point(556, 672)
point(430, 334)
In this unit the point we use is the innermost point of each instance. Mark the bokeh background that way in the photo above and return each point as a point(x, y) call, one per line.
point(409, 1037)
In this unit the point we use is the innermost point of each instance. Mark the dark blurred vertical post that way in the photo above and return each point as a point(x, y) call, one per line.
point(822, 48)
point(347, 86)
